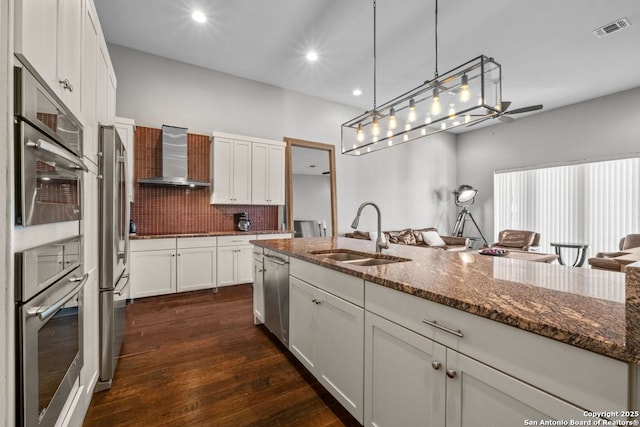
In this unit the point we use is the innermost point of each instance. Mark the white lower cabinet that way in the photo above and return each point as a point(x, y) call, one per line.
point(403, 376)
point(411, 380)
point(326, 335)
point(153, 270)
point(235, 260)
point(478, 395)
point(164, 266)
point(196, 267)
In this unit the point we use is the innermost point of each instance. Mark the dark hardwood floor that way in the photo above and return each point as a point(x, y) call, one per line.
point(196, 359)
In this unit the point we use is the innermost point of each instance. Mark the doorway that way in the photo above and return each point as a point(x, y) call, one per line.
point(310, 188)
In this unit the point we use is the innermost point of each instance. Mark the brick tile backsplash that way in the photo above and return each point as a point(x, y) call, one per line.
point(174, 210)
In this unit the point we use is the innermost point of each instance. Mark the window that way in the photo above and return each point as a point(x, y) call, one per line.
point(594, 203)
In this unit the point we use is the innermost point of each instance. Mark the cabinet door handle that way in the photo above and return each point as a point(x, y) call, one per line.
point(451, 373)
point(435, 324)
point(66, 84)
point(436, 365)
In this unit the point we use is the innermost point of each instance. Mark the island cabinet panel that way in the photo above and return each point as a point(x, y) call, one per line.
point(583, 378)
point(258, 286)
point(326, 335)
point(342, 285)
point(478, 395)
point(404, 376)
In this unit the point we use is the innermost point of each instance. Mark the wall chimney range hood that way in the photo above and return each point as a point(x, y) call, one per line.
point(174, 161)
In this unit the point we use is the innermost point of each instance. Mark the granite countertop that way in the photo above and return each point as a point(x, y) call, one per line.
point(208, 234)
point(590, 309)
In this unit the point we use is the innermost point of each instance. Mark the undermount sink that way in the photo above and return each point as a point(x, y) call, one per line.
point(346, 256)
point(362, 259)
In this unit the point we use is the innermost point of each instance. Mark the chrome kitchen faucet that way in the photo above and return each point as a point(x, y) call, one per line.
point(381, 242)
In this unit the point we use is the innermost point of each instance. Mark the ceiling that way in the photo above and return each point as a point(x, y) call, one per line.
point(547, 49)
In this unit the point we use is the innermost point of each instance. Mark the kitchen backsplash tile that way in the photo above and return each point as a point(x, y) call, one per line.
point(175, 210)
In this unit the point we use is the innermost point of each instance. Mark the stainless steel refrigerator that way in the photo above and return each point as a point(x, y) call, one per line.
point(114, 251)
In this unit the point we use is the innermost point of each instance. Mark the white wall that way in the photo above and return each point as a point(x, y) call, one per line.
point(602, 127)
point(155, 91)
point(312, 198)
point(411, 183)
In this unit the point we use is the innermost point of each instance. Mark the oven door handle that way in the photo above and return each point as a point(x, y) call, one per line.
point(45, 312)
point(54, 149)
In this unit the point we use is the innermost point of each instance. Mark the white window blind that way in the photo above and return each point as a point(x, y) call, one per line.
point(594, 203)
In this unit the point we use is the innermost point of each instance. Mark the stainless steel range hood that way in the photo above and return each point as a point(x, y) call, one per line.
point(174, 161)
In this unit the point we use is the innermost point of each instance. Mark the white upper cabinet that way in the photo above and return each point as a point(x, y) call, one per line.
point(247, 171)
point(70, 54)
point(48, 36)
point(267, 186)
point(231, 171)
point(90, 37)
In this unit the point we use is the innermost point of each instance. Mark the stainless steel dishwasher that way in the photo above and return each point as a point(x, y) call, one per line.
point(276, 294)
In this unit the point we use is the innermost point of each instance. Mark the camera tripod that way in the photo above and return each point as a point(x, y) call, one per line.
point(458, 229)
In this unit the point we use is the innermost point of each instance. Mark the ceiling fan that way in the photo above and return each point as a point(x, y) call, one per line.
point(505, 114)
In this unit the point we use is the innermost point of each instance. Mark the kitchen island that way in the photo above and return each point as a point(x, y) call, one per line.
point(486, 338)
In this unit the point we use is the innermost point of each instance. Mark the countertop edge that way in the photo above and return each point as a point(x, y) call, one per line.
point(627, 354)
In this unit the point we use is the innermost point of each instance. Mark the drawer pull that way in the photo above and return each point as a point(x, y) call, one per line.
point(435, 324)
point(436, 365)
point(451, 373)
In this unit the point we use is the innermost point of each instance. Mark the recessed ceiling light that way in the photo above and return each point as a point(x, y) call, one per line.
point(357, 92)
point(312, 56)
point(198, 16)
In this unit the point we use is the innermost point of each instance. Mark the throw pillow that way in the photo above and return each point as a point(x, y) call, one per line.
point(402, 237)
point(432, 238)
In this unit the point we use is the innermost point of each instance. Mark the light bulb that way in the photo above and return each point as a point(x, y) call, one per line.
point(407, 126)
point(452, 111)
point(390, 143)
point(389, 133)
point(428, 120)
point(467, 118)
point(375, 129)
point(199, 17)
point(436, 108)
point(392, 119)
point(480, 100)
point(443, 126)
point(465, 95)
point(424, 132)
point(412, 110)
point(374, 139)
point(406, 138)
point(368, 149)
point(360, 133)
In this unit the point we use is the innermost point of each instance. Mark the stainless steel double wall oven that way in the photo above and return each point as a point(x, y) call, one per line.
point(49, 273)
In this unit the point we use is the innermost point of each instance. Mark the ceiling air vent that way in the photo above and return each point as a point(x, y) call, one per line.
point(616, 25)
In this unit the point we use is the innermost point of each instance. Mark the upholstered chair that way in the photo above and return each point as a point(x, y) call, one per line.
point(521, 240)
point(607, 260)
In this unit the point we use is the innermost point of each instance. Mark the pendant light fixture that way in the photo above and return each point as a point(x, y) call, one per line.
point(420, 109)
